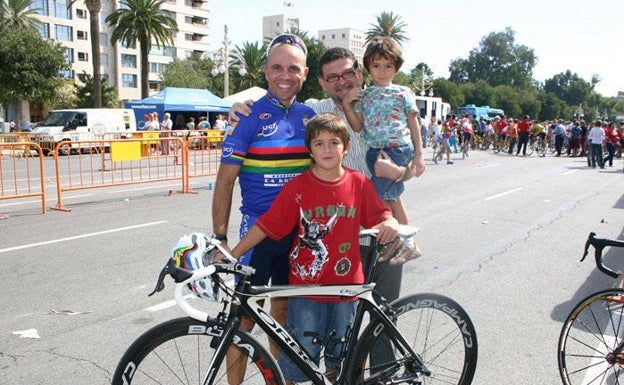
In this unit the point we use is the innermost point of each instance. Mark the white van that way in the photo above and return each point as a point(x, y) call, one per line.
point(83, 124)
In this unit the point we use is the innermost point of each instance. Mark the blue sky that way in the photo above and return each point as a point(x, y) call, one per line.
point(582, 36)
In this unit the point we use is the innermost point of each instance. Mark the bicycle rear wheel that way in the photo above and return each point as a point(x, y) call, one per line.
point(541, 149)
point(179, 352)
point(438, 330)
point(591, 340)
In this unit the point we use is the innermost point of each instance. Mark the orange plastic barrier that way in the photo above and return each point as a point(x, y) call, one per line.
point(204, 152)
point(117, 162)
point(22, 173)
point(110, 160)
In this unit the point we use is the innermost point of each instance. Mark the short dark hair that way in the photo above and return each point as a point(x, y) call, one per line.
point(385, 47)
point(326, 122)
point(336, 53)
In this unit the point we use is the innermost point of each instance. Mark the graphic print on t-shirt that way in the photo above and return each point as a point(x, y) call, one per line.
point(311, 237)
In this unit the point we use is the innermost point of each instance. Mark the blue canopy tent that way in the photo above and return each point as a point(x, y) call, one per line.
point(177, 101)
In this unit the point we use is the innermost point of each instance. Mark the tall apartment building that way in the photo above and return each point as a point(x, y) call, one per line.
point(119, 63)
point(348, 38)
point(276, 25)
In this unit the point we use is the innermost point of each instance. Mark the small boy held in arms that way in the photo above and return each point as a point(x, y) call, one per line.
point(329, 204)
point(388, 116)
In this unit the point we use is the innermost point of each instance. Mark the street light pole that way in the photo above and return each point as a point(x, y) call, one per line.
point(224, 63)
point(423, 86)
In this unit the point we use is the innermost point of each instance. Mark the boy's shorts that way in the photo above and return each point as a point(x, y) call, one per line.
point(269, 257)
point(321, 318)
point(388, 189)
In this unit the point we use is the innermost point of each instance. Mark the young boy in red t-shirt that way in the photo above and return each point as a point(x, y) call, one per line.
point(329, 204)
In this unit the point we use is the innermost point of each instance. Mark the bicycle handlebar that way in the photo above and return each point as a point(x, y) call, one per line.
point(599, 244)
point(183, 277)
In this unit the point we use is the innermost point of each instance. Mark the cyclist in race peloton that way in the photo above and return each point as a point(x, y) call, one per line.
point(328, 204)
point(467, 133)
point(264, 151)
point(539, 132)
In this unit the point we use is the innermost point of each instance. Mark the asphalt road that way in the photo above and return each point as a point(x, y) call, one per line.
point(502, 235)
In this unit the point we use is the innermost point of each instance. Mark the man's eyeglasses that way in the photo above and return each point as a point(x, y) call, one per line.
point(347, 75)
point(288, 39)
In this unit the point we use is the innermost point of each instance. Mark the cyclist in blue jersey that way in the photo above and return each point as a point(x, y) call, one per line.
point(264, 151)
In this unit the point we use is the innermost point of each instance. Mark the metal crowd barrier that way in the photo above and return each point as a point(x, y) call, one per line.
point(22, 173)
point(112, 160)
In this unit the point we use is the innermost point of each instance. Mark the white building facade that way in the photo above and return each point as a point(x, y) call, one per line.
point(348, 38)
point(120, 64)
point(276, 25)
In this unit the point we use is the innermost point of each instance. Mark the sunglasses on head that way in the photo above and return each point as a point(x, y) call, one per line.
point(288, 39)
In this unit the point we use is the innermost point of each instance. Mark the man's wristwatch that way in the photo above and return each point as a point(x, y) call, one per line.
point(220, 237)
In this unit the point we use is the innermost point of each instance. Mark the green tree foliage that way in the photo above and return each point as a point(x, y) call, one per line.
point(311, 87)
point(142, 22)
point(498, 60)
point(449, 92)
point(569, 87)
point(188, 73)
point(85, 96)
point(30, 66)
point(479, 93)
point(388, 24)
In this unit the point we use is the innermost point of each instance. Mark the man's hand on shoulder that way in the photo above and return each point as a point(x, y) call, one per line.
point(239, 108)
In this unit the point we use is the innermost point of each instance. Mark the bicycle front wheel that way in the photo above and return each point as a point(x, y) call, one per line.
point(592, 340)
point(437, 329)
point(180, 351)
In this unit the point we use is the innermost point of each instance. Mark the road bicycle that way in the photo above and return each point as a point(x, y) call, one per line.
point(538, 145)
point(591, 344)
point(416, 339)
point(501, 145)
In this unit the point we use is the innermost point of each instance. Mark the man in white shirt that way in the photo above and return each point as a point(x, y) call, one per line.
point(596, 137)
point(166, 125)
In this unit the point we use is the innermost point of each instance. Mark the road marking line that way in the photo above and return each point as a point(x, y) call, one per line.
point(79, 237)
point(503, 194)
point(569, 172)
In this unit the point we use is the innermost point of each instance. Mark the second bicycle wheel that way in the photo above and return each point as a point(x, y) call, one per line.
point(437, 329)
point(179, 352)
point(592, 340)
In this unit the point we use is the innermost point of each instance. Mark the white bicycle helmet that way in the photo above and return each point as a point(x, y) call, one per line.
point(192, 252)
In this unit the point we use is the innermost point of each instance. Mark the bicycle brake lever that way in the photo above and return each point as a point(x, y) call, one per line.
point(160, 284)
point(587, 244)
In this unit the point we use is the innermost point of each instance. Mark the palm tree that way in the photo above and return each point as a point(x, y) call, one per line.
point(94, 7)
point(389, 25)
point(18, 14)
point(253, 57)
point(144, 22)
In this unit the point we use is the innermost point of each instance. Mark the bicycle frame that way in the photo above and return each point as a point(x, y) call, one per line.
point(249, 303)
